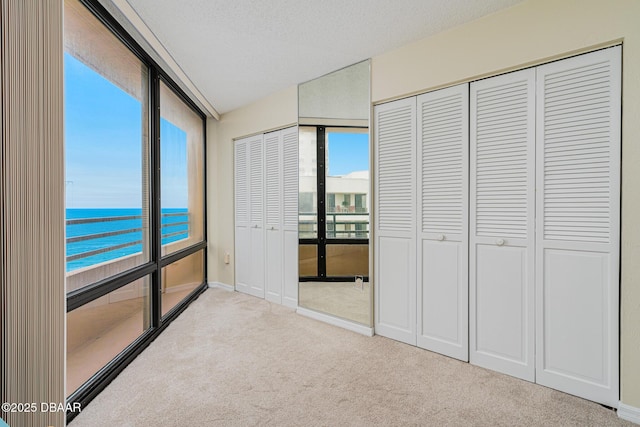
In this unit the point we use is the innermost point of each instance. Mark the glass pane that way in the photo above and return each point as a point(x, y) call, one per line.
point(308, 260)
point(347, 183)
point(98, 331)
point(308, 197)
point(180, 278)
point(181, 173)
point(106, 149)
point(347, 260)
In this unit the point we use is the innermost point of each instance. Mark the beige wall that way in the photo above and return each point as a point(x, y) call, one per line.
point(533, 32)
point(273, 112)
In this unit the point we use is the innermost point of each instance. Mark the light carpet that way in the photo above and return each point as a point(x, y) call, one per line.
point(232, 359)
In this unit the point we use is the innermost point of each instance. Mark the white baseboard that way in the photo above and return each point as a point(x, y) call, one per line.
point(221, 286)
point(336, 321)
point(629, 413)
point(290, 302)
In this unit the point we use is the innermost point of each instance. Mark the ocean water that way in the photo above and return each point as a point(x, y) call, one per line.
point(84, 246)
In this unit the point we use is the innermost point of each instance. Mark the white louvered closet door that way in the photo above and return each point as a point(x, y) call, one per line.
point(578, 211)
point(256, 216)
point(242, 238)
point(290, 215)
point(501, 256)
point(395, 225)
point(442, 251)
point(273, 233)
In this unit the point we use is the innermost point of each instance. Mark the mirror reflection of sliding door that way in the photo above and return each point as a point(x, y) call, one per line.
point(347, 202)
point(334, 203)
point(308, 203)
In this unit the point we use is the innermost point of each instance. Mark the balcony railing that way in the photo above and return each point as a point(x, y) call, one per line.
point(121, 233)
point(340, 225)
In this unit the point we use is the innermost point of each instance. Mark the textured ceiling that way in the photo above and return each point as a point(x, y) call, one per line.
point(238, 51)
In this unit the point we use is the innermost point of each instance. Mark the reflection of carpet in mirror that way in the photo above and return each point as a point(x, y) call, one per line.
point(341, 299)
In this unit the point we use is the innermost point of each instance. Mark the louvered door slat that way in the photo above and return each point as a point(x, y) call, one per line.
point(563, 90)
point(512, 124)
point(256, 180)
point(241, 182)
point(395, 148)
point(290, 162)
point(578, 208)
point(442, 141)
point(273, 178)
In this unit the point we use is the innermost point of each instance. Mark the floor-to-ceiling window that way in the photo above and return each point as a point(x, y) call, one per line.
point(135, 223)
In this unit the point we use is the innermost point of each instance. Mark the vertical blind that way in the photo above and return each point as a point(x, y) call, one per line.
point(32, 300)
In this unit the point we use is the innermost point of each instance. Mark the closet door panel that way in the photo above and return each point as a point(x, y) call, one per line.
point(395, 255)
point(290, 178)
point(443, 309)
point(273, 216)
point(243, 264)
point(274, 266)
point(396, 295)
point(290, 253)
point(442, 213)
point(502, 223)
point(256, 262)
point(575, 290)
point(501, 325)
point(242, 238)
point(241, 183)
point(290, 215)
point(578, 211)
point(256, 215)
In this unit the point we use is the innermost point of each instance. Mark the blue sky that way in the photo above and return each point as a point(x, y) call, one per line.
point(103, 145)
point(348, 152)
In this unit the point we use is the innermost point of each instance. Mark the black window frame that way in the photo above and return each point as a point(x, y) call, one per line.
point(326, 234)
point(75, 299)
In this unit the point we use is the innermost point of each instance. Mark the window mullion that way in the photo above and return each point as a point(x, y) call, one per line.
point(156, 215)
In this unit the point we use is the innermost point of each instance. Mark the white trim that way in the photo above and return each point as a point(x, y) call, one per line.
point(221, 285)
point(290, 302)
point(629, 413)
point(317, 121)
point(336, 321)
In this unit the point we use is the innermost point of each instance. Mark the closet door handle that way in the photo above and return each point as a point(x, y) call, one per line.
point(440, 237)
point(499, 242)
